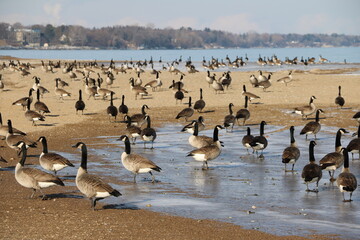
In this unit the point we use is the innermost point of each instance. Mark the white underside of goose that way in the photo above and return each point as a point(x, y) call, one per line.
point(144, 170)
point(148, 138)
point(46, 184)
point(258, 146)
point(102, 194)
point(313, 180)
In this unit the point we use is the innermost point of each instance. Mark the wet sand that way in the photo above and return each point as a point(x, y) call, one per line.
point(67, 214)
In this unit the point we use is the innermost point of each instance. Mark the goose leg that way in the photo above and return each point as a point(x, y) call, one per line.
point(135, 178)
point(152, 177)
point(32, 195)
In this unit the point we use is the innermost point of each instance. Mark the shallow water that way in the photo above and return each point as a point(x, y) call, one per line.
point(238, 188)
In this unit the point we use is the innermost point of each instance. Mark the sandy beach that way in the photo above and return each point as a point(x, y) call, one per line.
point(69, 216)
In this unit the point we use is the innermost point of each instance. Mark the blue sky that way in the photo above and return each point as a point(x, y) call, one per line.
point(237, 16)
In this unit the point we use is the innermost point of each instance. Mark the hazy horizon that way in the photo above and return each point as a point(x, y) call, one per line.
point(283, 17)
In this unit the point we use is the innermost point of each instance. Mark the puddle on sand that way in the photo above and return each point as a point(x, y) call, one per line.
point(238, 188)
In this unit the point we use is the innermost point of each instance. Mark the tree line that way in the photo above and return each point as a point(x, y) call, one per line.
point(135, 37)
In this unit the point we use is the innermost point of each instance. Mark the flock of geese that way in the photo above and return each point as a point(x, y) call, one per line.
point(206, 148)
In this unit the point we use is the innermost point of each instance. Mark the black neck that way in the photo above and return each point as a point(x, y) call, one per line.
point(338, 139)
point(111, 100)
point(346, 158)
point(23, 156)
point(122, 100)
point(317, 116)
point(358, 132)
point(30, 92)
point(246, 102)
point(244, 88)
point(292, 138)
point(216, 134)
point(1, 119)
point(148, 122)
point(127, 146)
point(248, 131)
point(230, 109)
point(189, 101)
point(80, 97)
point(201, 97)
point(311, 153)
point(143, 110)
point(38, 94)
point(44, 143)
point(262, 128)
point(339, 91)
point(10, 129)
point(83, 157)
point(196, 129)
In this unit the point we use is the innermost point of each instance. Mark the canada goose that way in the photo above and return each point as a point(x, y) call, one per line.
point(91, 185)
point(176, 85)
point(61, 92)
point(109, 79)
point(40, 106)
point(354, 145)
point(250, 95)
point(112, 110)
point(91, 91)
point(209, 152)
point(217, 86)
point(307, 110)
point(139, 119)
point(190, 128)
point(103, 92)
point(259, 142)
point(346, 181)
point(311, 172)
point(334, 160)
point(12, 139)
point(137, 90)
point(292, 153)
point(357, 117)
point(244, 113)
point(199, 141)
point(31, 177)
point(52, 161)
point(210, 79)
point(80, 105)
point(339, 100)
point(200, 104)
point(136, 163)
point(312, 127)
point(4, 129)
point(148, 134)
point(247, 139)
point(179, 95)
point(24, 101)
point(229, 119)
point(253, 80)
point(132, 131)
point(262, 78)
point(123, 108)
point(138, 81)
point(32, 115)
point(286, 79)
point(62, 83)
point(154, 84)
point(226, 80)
point(266, 83)
point(186, 112)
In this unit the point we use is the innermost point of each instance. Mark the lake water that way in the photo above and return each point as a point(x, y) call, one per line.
point(335, 55)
